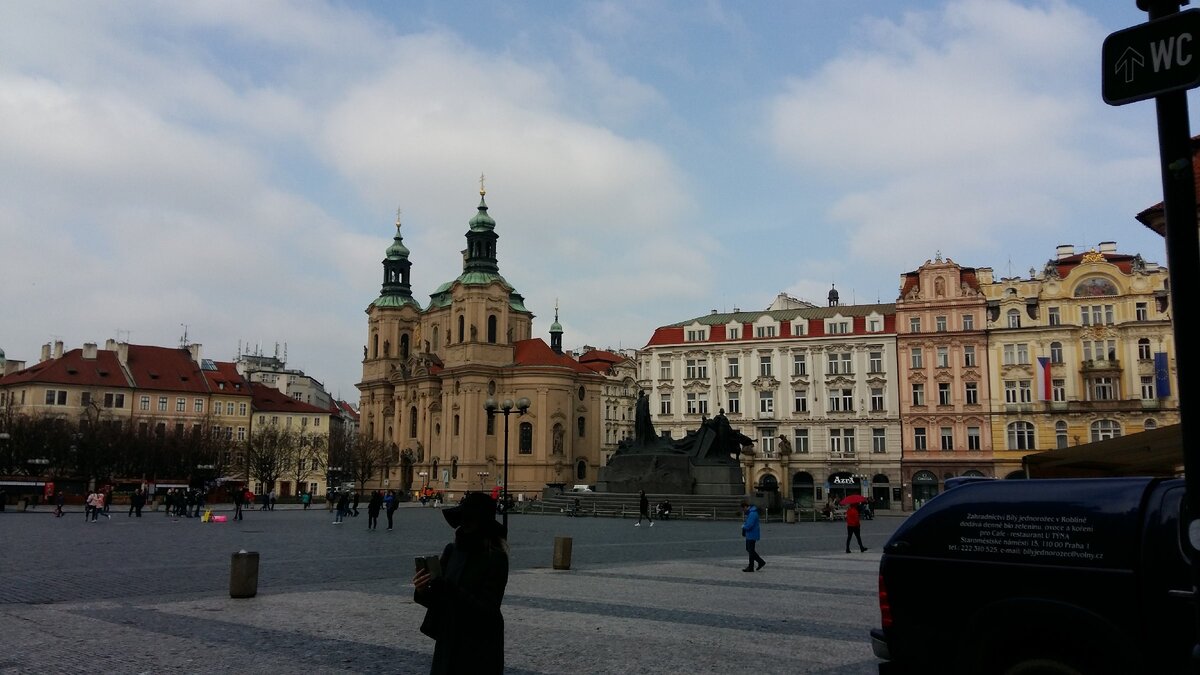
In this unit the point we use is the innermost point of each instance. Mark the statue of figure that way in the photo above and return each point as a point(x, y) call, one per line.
point(642, 426)
point(785, 446)
point(558, 439)
point(420, 452)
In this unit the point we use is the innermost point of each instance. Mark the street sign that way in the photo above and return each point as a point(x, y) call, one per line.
point(1152, 58)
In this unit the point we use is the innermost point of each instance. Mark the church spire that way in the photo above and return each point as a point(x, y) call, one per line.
point(556, 332)
point(480, 255)
point(396, 289)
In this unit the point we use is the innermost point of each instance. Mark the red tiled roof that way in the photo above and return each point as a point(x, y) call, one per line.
point(226, 379)
point(269, 399)
point(1155, 216)
point(72, 369)
point(535, 352)
point(165, 369)
point(1123, 261)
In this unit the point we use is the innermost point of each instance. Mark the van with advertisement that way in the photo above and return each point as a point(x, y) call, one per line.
point(1075, 576)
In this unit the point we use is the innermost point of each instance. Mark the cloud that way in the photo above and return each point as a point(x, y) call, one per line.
point(970, 129)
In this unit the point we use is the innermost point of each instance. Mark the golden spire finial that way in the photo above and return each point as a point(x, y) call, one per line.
point(398, 211)
point(482, 190)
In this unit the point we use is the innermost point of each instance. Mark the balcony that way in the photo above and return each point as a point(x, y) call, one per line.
point(1100, 365)
point(842, 456)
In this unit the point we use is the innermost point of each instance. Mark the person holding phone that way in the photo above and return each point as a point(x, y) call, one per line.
point(462, 590)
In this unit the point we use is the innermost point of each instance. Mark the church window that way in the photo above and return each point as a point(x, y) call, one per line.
point(462, 330)
point(491, 329)
point(525, 439)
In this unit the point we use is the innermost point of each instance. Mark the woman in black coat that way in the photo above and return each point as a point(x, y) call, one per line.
point(463, 601)
point(373, 508)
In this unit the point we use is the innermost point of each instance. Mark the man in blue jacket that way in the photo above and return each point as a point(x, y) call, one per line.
point(750, 531)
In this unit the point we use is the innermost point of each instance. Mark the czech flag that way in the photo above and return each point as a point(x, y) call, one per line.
point(1043, 378)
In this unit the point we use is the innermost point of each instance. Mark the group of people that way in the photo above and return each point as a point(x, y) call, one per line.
point(179, 503)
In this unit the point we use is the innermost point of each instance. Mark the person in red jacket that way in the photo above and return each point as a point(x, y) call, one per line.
point(852, 528)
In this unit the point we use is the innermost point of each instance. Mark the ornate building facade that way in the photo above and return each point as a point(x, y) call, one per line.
point(942, 349)
point(1082, 351)
point(814, 386)
point(428, 371)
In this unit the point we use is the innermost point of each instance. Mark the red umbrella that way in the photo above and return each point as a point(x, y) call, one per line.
point(852, 499)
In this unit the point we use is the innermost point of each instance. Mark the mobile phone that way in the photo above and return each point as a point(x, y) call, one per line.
point(430, 563)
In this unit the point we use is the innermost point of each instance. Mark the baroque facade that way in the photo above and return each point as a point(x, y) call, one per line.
point(1082, 351)
point(815, 387)
point(942, 349)
point(428, 372)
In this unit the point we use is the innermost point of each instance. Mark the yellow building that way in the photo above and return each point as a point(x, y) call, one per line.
point(428, 372)
point(1081, 352)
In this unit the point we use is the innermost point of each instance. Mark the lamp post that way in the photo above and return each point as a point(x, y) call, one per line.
point(505, 407)
point(482, 475)
point(424, 480)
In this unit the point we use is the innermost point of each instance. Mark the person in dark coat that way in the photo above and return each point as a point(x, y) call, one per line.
point(343, 507)
point(463, 601)
point(239, 500)
point(390, 504)
point(373, 508)
point(354, 503)
point(644, 510)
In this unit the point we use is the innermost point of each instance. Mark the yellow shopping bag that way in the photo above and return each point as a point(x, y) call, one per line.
point(207, 516)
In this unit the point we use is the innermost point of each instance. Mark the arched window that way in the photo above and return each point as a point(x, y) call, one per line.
point(1144, 353)
point(456, 425)
point(412, 422)
point(433, 472)
point(1149, 424)
point(581, 470)
point(1020, 436)
point(525, 439)
point(375, 346)
point(491, 329)
point(462, 329)
point(1060, 434)
point(1056, 354)
point(1014, 318)
point(436, 338)
point(1105, 429)
point(387, 348)
point(404, 346)
point(454, 467)
point(582, 426)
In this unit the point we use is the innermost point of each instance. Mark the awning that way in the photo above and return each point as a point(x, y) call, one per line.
point(22, 483)
point(1157, 452)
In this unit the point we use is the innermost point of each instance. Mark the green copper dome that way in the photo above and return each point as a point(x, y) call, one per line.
point(482, 221)
point(397, 250)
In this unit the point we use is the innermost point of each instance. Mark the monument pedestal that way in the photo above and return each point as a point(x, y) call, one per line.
point(668, 474)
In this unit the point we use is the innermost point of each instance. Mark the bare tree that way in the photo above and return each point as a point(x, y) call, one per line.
point(306, 458)
point(367, 456)
point(267, 453)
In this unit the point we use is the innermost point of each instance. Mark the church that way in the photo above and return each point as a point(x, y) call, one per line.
point(429, 374)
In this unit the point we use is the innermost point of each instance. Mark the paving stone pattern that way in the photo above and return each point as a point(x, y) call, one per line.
point(150, 595)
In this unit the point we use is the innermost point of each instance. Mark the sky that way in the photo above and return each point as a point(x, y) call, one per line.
point(232, 170)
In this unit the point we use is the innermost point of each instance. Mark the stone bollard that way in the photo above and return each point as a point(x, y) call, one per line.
point(21, 505)
point(243, 575)
point(562, 553)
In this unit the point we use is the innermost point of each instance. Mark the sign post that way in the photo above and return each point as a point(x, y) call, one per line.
point(1160, 59)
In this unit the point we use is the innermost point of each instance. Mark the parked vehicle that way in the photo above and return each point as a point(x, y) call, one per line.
point(1000, 577)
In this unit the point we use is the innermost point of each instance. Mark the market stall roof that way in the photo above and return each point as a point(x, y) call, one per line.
point(1157, 452)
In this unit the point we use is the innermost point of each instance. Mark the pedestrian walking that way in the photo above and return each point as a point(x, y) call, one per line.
point(59, 500)
point(271, 503)
point(88, 505)
point(853, 523)
point(106, 493)
point(643, 510)
point(354, 503)
point(463, 602)
point(265, 502)
point(373, 507)
point(200, 501)
point(390, 504)
point(239, 500)
point(138, 502)
point(305, 499)
point(752, 533)
point(100, 506)
point(343, 506)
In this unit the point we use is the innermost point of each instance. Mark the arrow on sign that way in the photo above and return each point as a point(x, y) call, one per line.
point(1130, 59)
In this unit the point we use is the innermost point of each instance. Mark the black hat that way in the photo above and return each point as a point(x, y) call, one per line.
point(475, 506)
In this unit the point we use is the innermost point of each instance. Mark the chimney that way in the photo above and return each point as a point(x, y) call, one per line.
point(1064, 251)
point(123, 353)
point(110, 345)
point(1108, 247)
point(194, 349)
point(46, 352)
point(58, 349)
point(89, 351)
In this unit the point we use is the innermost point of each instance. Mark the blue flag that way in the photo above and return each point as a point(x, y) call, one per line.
point(1162, 375)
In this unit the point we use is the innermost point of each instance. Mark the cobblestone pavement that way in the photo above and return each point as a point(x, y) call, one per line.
point(150, 595)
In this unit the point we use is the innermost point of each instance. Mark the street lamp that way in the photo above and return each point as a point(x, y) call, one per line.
point(482, 475)
point(425, 480)
point(506, 407)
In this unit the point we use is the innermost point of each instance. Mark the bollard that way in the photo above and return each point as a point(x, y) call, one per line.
point(21, 505)
point(243, 575)
point(562, 553)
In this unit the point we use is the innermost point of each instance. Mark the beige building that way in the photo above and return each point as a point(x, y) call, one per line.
point(1081, 351)
point(815, 387)
point(942, 349)
point(428, 371)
